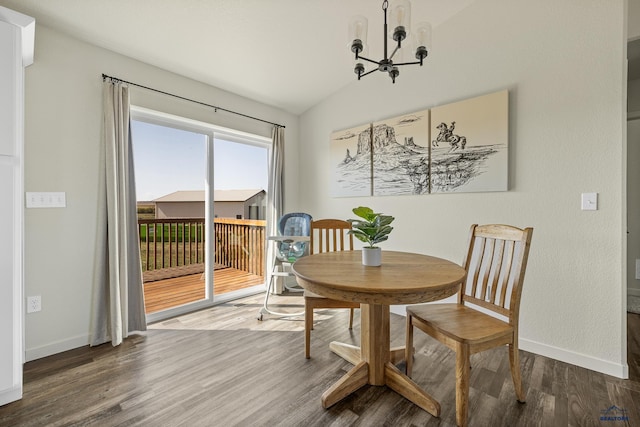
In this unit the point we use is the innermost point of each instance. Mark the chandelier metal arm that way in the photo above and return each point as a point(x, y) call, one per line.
point(394, 51)
point(370, 60)
point(368, 72)
point(407, 63)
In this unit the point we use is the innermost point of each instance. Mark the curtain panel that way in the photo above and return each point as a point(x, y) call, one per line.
point(118, 300)
point(275, 193)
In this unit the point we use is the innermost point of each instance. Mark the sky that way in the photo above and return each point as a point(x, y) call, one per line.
point(168, 160)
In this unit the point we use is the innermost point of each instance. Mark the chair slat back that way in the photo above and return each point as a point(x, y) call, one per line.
point(330, 235)
point(496, 261)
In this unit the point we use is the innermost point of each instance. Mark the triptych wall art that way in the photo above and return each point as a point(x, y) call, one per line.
point(458, 147)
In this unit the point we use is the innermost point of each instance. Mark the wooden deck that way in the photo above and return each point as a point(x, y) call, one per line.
point(172, 292)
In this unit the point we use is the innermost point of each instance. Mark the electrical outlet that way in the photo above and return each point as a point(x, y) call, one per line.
point(34, 304)
point(589, 201)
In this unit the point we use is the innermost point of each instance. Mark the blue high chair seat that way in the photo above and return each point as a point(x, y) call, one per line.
point(293, 224)
point(291, 243)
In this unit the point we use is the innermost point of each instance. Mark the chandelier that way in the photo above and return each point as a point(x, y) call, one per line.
point(400, 16)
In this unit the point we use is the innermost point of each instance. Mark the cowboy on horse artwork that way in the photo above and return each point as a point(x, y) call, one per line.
point(446, 135)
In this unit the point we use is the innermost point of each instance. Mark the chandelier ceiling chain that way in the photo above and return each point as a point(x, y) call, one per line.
point(400, 20)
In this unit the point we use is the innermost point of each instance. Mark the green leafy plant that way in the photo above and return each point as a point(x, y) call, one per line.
point(373, 228)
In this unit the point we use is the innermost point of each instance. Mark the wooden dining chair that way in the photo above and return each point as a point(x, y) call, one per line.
point(327, 235)
point(495, 262)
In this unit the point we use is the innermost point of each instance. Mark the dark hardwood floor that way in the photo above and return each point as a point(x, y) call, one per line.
point(222, 367)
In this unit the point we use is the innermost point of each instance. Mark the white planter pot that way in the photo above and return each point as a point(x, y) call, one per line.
point(372, 257)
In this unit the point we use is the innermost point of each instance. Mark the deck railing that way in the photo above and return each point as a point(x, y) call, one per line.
point(176, 242)
point(240, 244)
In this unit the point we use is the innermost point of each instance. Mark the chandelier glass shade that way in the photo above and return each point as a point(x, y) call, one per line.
point(396, 28)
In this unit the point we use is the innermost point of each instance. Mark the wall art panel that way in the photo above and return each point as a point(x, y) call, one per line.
point(469, 147)
point(350, 157)
point(401, 155)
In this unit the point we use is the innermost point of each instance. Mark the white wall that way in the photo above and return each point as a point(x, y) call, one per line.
point(567, 100)
point(63, 128)
point(633, 158)
point(633, 186)
point(633, 205)
point(633, 27)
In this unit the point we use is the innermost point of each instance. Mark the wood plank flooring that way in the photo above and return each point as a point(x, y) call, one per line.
point(172, 292)
point(168, 273)
point(222, 367)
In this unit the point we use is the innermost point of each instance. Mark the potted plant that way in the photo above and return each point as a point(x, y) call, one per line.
point(372, 229)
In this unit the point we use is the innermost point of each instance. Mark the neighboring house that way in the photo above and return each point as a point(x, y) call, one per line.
point(247, 204)
point(239, 204)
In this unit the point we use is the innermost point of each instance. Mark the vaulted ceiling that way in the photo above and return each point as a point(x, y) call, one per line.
point(287, 53)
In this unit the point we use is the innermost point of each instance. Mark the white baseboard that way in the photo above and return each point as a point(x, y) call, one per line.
point(573, 358)
point(633, 291)
point(56, 347)
point(11, 394)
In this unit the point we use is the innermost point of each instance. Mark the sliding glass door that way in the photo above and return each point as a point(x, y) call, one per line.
point(201, 194)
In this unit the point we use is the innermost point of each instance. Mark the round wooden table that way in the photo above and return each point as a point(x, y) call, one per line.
point(403, 278)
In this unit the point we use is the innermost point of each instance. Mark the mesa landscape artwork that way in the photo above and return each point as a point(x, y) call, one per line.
point(401, 155)
point(457, 147)
point(350, 154)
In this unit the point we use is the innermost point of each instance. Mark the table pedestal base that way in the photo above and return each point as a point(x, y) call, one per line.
point(351, 353)
point(374, 363)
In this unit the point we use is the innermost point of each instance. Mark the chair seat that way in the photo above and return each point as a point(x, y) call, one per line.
point(461, 323)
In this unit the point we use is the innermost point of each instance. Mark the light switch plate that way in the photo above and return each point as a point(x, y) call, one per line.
point(589, 201)
point(46, 199)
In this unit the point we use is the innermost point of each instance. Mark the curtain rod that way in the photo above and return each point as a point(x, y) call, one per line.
point(104, 77)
